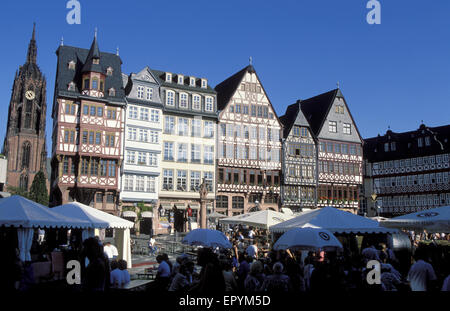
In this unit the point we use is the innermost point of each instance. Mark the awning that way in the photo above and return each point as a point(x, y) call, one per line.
point(147, 214)
point(180, 205)
point(194, 205)
point(129, 214)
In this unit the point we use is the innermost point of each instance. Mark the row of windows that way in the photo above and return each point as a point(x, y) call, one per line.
point(250, 177)
point(255, 111)
point(300, 131)
point(181, 179)
point(143, 114)
point(333, 128)
point(342, 168)
point(438, 159)
point(90, 166)
point(339, 148)
point(295, 193)
point(301, 150)
point(70, 136)
point(183, 101)
point(143, 135)
point(422, 179)
point(139, 183)
point(245, 152)
point(337, 193)
point(250, 132)
point(415, 200)
point(303, 171)
point(180, 80)
point(183, 127)
point(94, 84)
point(182, 153)
point(97, 111)
point(141, 158)
point(72, 65)
point(148, 93)
point(421, 141)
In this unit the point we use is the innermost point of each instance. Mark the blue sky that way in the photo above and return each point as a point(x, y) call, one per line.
point(394, 74)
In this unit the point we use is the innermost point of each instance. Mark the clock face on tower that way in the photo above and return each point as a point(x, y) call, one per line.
point(29, 95)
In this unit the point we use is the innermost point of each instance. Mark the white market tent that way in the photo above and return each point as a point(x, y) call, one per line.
point(432, 220)
point(261, 219)
point(334, 220)
point(100, 220)
point(26, 215)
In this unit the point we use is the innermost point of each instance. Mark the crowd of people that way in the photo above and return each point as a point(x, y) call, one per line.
point(252, 266)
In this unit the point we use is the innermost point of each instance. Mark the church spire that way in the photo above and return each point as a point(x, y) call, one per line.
point(32, 48)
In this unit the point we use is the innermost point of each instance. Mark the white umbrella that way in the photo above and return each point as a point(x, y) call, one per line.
point(262, 219)
point(432, 220)
point(207, 238)
point(308, 239)
point(334, 220)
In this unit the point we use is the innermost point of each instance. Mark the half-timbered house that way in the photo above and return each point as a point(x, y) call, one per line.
point(88, 125)
point(407, 172)
point(299, 161)
point(339, 150)
point(249, 146)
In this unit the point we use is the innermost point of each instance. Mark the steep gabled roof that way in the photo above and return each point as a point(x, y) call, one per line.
point(293, 116)
point(316, 109)
point(288, 119)
point(227, 88)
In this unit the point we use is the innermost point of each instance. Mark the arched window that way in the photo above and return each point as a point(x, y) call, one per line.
point(23, 183)
point(26, 150)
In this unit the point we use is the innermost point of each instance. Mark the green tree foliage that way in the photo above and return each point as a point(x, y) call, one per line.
point(38, 191)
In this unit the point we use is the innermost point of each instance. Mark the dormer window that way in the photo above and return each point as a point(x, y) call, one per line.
point(112, 92)
point(96, 61)
point(71, 65)
point(204, 83)
point(170, 98)
point(183, 100)
point(71, 86)
point(192, 81)
point(427, 141)
point(180, 79)
point(109, 71)
point(168, 77)
point(86, 84)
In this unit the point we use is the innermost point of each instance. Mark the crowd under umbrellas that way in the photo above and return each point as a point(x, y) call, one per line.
point(320, 250)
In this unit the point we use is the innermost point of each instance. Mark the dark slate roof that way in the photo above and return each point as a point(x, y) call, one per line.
point(227, 88)
point(288, 119)
point(316, 109)
point(64, 75)
point(160, 75)
point(94, 53)
point(406, 144)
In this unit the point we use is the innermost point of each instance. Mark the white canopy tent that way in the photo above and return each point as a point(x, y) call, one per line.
point(26, 215)
point(261, 219)
point(334, 220)
point(100, 220)
point(432, 220)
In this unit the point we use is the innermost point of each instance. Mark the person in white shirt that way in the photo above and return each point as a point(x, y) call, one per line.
point(251, 234)
point(252, 250)
point(110, 251)
point(421, 275)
